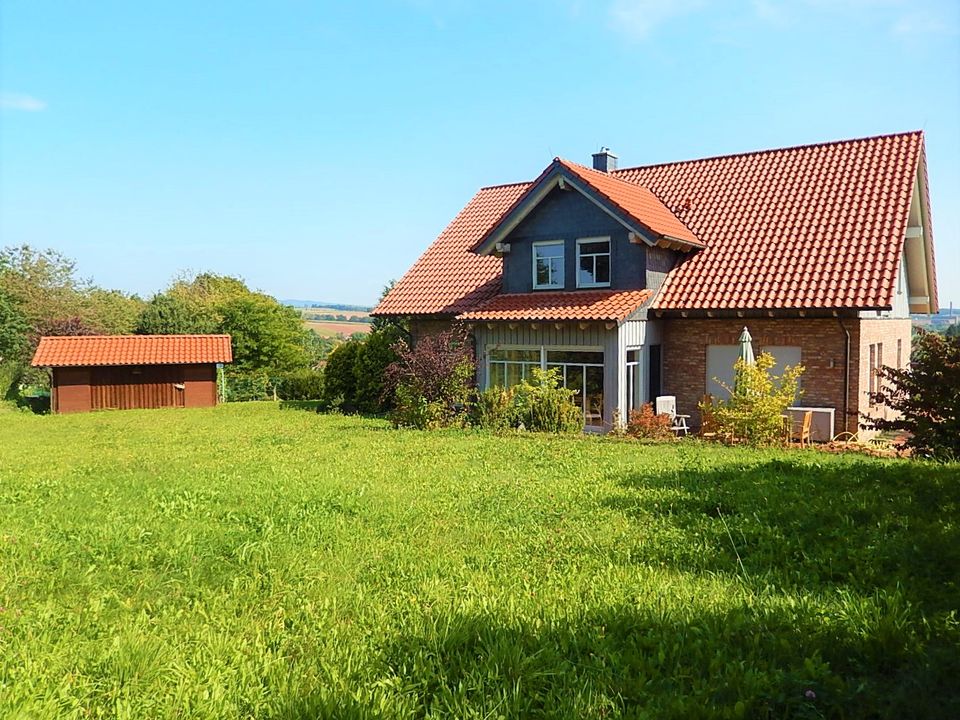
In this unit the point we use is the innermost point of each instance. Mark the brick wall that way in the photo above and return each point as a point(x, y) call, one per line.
point(882, 332)
point(822, 346)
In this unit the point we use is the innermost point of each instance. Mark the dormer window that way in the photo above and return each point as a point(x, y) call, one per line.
point(593, 262)
point(548, 265)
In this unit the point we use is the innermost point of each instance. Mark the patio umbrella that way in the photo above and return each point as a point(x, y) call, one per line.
point(746, 347)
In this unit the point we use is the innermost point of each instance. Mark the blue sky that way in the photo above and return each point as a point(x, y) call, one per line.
point(316, 149)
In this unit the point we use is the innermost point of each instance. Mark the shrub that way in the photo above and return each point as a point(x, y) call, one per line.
point(339, 377)
point(301, 385)
point(544, 405)
point(244, 385)
point(494, 409)
point(374, 356)
point(432, 380)
point(645, 424)
point(927, 397)
point(758, 400)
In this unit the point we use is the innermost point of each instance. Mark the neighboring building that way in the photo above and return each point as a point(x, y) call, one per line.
point(637, 282)
point(99, 372)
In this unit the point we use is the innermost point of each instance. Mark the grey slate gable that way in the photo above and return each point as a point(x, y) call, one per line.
point(568, 215)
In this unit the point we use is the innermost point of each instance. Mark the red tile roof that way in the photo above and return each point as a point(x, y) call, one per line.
point(449, 278)
point(557, 306)
point(819, 226)
point(816, 226)
point(636, 201)
point(132, 350)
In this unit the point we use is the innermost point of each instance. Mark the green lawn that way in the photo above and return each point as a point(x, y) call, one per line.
point(249, 561)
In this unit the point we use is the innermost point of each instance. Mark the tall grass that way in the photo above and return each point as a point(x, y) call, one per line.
point(245, 562)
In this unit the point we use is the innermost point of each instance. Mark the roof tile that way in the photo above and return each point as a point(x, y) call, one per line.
point(598, 305)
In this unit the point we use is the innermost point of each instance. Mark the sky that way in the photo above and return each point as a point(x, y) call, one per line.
point(315, 149)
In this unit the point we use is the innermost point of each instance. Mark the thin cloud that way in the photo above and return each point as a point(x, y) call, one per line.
point(638, 18)
point(921, 23)
point(25, 103)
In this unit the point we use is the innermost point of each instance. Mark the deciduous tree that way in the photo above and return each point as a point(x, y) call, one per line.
point(926, 397)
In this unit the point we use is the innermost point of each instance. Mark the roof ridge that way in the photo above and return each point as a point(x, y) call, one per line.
point(765, 151)
point(505, 185)
point(133, 335)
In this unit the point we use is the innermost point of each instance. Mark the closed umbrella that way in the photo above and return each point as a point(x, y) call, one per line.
point(746, 347)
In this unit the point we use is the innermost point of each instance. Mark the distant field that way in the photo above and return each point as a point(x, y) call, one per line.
point(258, 561)
point(332, 328)
point(307, 312)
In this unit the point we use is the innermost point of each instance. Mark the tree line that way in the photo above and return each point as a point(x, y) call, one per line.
point(41, 293)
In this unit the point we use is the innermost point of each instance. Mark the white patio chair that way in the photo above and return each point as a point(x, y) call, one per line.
point(667, 405)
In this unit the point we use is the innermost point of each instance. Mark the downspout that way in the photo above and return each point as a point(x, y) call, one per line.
point(846, 375)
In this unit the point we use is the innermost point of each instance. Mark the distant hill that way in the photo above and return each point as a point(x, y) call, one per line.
point(323, 304)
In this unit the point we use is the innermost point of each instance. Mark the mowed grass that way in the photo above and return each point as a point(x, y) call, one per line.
point(253, 562)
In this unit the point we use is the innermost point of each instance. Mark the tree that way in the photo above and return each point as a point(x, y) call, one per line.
point(926, 396)
point(117, 313)
point(176, 314)
point(67, 326)
point(43, 283)
point(339, 376)
point(266, 334)
point(379, 323)
point(14, 331)
point(375, 354)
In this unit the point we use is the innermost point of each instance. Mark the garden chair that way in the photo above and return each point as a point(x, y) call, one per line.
point(594, 413)
point(802, 434)
point(708, 424)
point(667, 405)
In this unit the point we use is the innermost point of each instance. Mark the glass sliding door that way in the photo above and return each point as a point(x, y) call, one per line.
point(582, 372)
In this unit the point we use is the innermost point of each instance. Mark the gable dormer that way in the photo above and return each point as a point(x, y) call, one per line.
point(576, 229)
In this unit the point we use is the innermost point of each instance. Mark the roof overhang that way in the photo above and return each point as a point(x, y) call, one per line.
point(918, 258)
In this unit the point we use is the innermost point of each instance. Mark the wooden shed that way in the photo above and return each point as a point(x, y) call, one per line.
point(99, 372)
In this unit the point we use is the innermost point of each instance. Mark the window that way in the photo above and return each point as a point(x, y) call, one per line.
point(593, 262)
point(876, 362)
point(548, 265)
point(509, 367)
point(899, 354)
point(720, 375)
point(784, 356)
point(633, 380)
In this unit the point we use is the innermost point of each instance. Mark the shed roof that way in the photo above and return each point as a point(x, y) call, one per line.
point(90, 350)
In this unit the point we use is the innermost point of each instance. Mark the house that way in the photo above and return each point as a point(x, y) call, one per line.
point(637, 282)
point(99, 372)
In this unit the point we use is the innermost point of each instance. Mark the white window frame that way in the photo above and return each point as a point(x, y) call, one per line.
point(563, 261)
point(602, 238)
point(543, 350)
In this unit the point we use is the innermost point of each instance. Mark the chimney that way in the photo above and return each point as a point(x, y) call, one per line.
point(604, 161)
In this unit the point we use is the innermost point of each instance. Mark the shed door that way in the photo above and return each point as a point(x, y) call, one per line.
point(127, 387)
